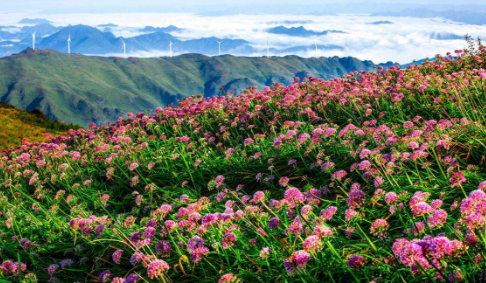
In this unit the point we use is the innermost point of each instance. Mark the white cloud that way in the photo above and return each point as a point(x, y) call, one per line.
point(403, 41)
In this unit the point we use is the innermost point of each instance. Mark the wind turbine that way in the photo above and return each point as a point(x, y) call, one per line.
point(219, 46)
point(69, 43)
point(33, 40)
point(124, 49)
point(268, 49)
point(315, 44)
point(347, 49)
point(170, 48)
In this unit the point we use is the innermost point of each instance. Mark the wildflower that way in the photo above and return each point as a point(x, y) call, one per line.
point(228, 278)
point(356, 199)
point(157, 268)
point(52, 268)
point(133, 166)
point(163, 247)
point(197, 248)
point(379, 227)
point(117, 256)
point(258, 197)
point(136, 258)
point(339, 175)
point(437, 219)
point(390, 197)
point(294, 195)
point(265, 252)
point(356, 261)
point(323, 231)
point(105, 276)
point(283, 181)
point(228, 240)
point(300, 259)
point(350, 214)
point(66, 263)
point(289, 267)
point(132, 278)
point(457, 179)
point(295, 228)
point(421, 208)
point(482, 186)
point(329, 212)
point(273, 223)
point(312, 243)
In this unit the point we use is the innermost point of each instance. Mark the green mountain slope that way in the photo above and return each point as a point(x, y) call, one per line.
point(81, 89)
point(19, 125)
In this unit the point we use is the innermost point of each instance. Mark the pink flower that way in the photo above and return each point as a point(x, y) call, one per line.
point(300, 259)
point(157, 268)
point(356, 199)
point(228, 278)
point(379, 227)
point(117, 256)
point(283, 181)
point(312, 243)
point(258, 197)
point(133, 166)
point(390, 197)
point(457, 179)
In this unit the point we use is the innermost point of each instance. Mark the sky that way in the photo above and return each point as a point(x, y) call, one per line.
point(195, 5)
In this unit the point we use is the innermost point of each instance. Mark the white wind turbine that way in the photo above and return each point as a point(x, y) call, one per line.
point(268, 49)
point(69, 44)
point(124, 49)
point(33, 40)
point(219, 46)
point(347, 49)
point(315, 44)
point(170, 48)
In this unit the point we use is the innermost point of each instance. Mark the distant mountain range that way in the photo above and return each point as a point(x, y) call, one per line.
point(91, 40)
point(83, 89)
point(34, 21)
point(468, 17)
point(300, 31)
point(381, 23)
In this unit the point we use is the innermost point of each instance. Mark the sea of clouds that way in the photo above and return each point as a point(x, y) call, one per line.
point(405, 40)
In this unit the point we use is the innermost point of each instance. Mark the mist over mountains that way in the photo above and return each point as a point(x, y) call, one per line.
point(368, 37)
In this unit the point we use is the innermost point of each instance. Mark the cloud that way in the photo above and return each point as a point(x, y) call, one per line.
point(407, 39)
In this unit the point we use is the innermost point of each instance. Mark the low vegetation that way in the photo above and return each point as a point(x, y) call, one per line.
point(17, 126)
point(371, 177)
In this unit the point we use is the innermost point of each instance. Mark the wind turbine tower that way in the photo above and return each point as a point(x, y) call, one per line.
point(268, 49)
point(170, 48)
point(347, 49)
point(315, 44)
point(124, 49)
point(33, 40)
point(219, 46)
point(69, 44)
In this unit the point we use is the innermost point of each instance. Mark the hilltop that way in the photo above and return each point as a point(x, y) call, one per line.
point(88, 89)
point(369, 177)
point(19, 125)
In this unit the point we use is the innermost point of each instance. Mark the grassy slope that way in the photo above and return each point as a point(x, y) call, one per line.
point(80, 89)
point(386, 150)
point(17, 125)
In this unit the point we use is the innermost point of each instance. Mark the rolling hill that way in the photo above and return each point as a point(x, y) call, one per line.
point(34, 125)
point(86, 89)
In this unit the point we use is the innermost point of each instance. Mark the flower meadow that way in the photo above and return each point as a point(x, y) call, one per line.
point(371, 177)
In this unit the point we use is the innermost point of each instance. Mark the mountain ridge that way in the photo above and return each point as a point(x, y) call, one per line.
point(92, 89)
